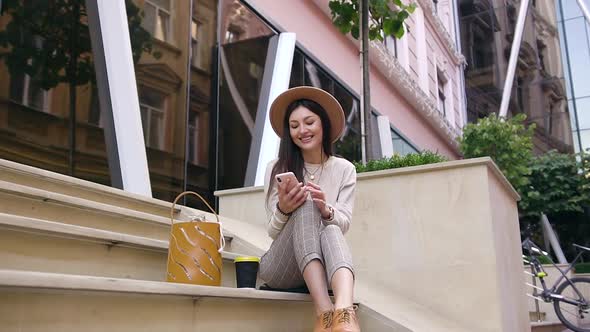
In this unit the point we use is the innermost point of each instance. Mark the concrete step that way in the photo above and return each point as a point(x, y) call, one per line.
point(46, 246)
point(35, 301)
point(42, 204)
point(51, 302)
point(36, 203)
point(548, 327)
point(61, 184)
point(77, 256)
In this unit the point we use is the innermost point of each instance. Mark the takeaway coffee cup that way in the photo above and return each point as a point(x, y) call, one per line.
point(246, 271)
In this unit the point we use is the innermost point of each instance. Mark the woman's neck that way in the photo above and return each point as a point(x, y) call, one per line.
point(314, 157)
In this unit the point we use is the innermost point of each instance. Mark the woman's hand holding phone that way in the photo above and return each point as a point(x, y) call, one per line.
point(319, 198)
point(291, 194)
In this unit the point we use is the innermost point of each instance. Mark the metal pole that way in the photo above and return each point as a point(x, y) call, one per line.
point(365, 93)
point(553, 239)
point(584, 10)
point(522, 12)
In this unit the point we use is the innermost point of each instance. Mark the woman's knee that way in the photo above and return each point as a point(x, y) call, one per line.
point(332, 229)
point(306, 207)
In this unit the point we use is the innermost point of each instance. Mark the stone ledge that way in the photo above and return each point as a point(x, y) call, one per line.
point(51, 197)
point(7, 166)
point(483, 161)
point(32, 225)
point(487, 161)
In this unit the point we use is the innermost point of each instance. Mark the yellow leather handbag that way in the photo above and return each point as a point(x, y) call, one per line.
point(194, 252)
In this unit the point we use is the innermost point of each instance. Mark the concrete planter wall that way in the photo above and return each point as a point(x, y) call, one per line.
point(444, 237)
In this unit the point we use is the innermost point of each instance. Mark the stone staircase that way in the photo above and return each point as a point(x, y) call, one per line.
point(78, 256)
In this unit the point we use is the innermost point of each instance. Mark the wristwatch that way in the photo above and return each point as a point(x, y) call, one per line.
point(331, 216)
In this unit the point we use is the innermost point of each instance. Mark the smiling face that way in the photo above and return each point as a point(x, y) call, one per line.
point(305, 128)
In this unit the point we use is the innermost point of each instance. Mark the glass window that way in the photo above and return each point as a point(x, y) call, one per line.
point(94, 116)
point(400, 145)
point(153, 107)
point(202, 37)
point(391, 45)
point(565, 59)
point(306, 72)
point(349, 145)
point(32, 80)
point(25, 89)
point(583, 109)
point(442, 107)
point(317, 77)
point(157, 18)
point(200, 146)
point(232, 34)
point(243, 51)
point(196, 28)
point(571, 110)
point(570, 9)
point(579, 55)
point(585, 136)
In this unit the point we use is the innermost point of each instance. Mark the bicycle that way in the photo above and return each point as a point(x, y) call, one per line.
point(570, 305)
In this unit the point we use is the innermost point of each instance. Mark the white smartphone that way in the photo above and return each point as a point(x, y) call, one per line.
point(281, 178)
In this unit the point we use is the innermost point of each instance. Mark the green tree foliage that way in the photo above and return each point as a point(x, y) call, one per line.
point(558, 183)
point(386, 17)
point(508, 142)
point(397, 161)
point(555, 184)
point(50, 40)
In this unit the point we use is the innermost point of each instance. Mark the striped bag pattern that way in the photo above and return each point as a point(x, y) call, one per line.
point(194, 254)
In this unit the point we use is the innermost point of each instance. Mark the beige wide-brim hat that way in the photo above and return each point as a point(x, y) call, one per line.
point(326, 100)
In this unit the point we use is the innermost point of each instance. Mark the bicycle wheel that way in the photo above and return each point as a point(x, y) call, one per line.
point(574, 316)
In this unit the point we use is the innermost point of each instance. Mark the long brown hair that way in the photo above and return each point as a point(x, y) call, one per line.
point(290, 157)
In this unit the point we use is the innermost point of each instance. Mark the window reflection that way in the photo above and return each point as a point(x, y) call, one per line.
point(46, 74)
point(570, 9)
point(583, 108)
point(487, 29)
point(243, 52)
point(200, 167)
point(152, 105)
point(579, 56)
point(157, 16)
point(400, 145)
point(305, 72)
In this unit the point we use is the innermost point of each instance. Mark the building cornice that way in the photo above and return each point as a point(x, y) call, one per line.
point(447, 40)
point(399, 78)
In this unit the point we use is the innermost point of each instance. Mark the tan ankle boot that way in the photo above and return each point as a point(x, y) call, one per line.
point(345, 320)
point(323, 322)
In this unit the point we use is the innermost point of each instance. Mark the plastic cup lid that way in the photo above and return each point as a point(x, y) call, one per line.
point(247, 259)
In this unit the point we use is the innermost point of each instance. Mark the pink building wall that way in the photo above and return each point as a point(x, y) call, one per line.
point(339, 53)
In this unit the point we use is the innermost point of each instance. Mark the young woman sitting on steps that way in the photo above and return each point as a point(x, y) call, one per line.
point(307, 219)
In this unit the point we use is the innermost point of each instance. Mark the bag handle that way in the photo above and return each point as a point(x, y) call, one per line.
point(210, 208)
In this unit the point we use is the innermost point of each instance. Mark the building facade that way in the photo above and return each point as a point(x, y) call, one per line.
point(487, 31)
point(573, 30)
point(200, 70)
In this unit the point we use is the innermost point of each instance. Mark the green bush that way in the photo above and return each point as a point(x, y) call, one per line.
point(557, 184)
point(582, 268)
point(397, 161)
point(508, 142)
